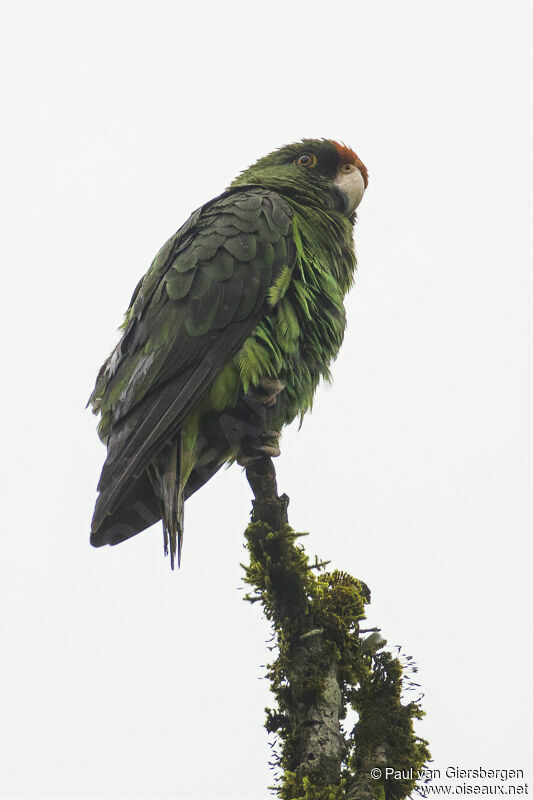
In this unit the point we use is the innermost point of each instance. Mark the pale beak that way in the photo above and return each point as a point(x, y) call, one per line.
point(351, 186)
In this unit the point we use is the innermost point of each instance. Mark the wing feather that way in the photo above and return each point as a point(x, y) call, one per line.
point(204, 294)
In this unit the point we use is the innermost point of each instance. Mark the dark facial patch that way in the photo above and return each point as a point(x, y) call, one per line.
point(324, 150)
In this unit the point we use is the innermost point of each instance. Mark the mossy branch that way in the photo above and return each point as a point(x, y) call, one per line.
point(324, 666)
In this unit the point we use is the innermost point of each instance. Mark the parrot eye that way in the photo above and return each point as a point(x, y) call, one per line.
point(306, 160)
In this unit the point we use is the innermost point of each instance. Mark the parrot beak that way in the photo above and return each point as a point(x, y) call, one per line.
point(351, 186)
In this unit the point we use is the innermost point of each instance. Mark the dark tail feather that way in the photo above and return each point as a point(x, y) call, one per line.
point(166, 476)
point(158, 494)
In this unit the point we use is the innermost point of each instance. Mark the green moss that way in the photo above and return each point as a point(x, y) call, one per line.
point(304, 603)
point(303, 789)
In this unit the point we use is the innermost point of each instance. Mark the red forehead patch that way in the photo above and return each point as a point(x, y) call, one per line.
point(347, 156)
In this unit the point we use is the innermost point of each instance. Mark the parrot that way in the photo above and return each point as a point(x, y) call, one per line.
point(227, 336)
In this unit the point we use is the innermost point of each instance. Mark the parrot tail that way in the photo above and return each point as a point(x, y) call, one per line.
point(165, 476)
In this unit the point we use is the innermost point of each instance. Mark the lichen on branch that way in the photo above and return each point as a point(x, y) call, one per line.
point(324, 666)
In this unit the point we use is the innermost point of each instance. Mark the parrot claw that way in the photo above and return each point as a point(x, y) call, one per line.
point(267, 391)
point(266, 445)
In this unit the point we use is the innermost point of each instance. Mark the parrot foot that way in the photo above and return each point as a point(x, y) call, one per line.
point(267, 391)
point(267, 444)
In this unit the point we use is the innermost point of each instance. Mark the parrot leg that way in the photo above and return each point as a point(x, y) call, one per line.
point(265, 442)
point(268, 390)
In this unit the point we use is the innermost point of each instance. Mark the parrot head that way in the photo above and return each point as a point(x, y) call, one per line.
point(318, 172)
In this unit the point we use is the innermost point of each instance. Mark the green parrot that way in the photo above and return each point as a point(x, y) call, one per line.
point(227, 336)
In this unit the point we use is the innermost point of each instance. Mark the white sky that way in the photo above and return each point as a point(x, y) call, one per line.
point(118, 678)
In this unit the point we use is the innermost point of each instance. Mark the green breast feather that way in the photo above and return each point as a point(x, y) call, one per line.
point(302, 332)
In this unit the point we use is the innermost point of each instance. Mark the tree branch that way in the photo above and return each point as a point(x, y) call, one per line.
point(324, 665)
point(317, 745)
point(267, 506)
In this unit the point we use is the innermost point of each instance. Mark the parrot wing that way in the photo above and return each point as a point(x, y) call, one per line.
point(200, 300)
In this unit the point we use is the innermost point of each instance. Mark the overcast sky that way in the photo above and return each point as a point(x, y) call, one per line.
point(119, 678)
